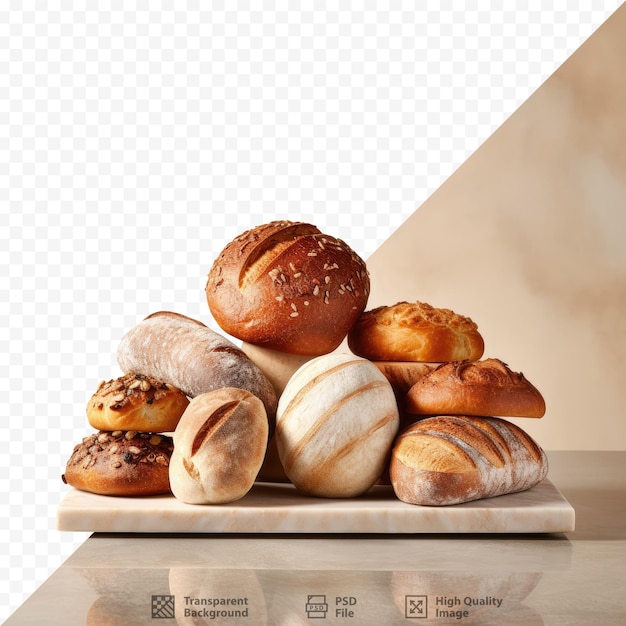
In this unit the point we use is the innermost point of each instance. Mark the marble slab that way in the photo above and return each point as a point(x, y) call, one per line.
point(278, 508)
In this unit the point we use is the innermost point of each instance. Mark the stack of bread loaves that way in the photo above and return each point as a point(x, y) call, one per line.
point(289, 293)
point(130, 454)
point(410, 403)
point(451, 447)
point(170, 358)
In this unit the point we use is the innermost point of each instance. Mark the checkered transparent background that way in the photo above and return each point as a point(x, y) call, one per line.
point(137, 139)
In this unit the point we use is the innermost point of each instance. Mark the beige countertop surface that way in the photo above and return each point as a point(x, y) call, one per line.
point(545, 578)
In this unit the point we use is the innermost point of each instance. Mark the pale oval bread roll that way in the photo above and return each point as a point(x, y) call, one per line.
point(219, 446)
point(336, 421)
point(446, 460)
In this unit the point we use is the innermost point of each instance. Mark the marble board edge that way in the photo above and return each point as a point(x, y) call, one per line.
point(278, 509)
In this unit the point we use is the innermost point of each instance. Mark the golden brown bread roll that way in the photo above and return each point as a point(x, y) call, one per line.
point(415, 331)
point(288, 287)
point(136, 402)
point(185, 353)
point(486, 387)
point(219, 446)
point(336, 422)
point(447, 460)
point(404, 374)
point(121, 463)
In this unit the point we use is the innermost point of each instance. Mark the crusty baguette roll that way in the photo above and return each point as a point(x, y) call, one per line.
point(121, 463)
point(219, 445)
point(404, 374)
point(185, 353)
point(415, 331)
point(487, 387)
point(335, 425)
point(289, 287)
point(136, 402)
point(447, 460)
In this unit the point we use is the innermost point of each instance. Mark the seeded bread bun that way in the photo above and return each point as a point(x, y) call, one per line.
point(487, 387)
point(446, 460)
point(335, 425)
point(288, 287)
point(136, 402)
point(121, 463)
point(415, 331)
point(219, 445)
point(185, 353)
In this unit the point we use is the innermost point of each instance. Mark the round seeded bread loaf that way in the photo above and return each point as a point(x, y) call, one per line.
point(288, 287)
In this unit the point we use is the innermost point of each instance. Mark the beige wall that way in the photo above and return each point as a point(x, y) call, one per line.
point(528, 238)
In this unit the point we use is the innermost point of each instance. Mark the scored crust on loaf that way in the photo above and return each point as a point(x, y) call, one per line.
point(487, 387)
point(269, 241)
point(446, 460)
point(336, 422)
point(136, 402)
point(288, 287)
point(121, 463)
point(415, 331)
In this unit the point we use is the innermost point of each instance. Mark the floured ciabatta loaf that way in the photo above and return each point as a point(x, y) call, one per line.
point(219, 446)
point(288, 287)
point(335, 425)
point(486, 387)
point(184, 352)
point(415, 331)
point(446, 460)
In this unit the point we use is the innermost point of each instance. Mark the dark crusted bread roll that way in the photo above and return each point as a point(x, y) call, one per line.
point(446, 460)
point(121, 463)
point(288, 287)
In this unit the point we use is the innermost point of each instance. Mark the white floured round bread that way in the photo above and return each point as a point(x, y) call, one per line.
point(446, 460)
point(219, 446)
point(336, 421)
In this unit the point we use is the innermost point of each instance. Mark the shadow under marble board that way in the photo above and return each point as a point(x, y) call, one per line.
point(278, 508)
